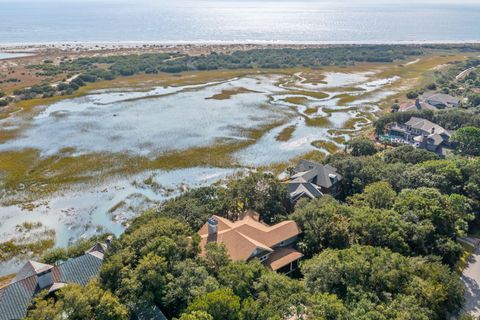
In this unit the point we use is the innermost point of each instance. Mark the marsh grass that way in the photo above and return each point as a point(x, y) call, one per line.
point(311, 110)
point(345, 99)
point(277, 168)
point(351, 123)
point(27, 171)
point(286, 134)
point(228, 93)
point(296, 100)
point(339, 139)
point(331, 110)
point(321, 122)
point(329, 146)
point(312, 94)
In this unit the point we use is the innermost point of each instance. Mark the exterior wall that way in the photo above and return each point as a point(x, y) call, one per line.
point(45, 279)
point(285, 243)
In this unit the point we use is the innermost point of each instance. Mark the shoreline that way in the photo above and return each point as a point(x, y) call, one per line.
point(68, 45)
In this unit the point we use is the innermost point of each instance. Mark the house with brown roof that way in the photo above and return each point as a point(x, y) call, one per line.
point(248, 238)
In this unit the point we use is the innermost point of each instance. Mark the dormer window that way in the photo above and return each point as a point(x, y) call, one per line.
point(45, 279)
point(263, 258)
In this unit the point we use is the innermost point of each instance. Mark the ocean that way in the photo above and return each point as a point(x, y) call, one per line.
point(255, 21)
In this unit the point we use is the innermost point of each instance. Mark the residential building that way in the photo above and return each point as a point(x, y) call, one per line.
point(422, 134)
point(441, 100)
point(313, 180)
point(417, 106)
point(34, 277)
point(248, 238)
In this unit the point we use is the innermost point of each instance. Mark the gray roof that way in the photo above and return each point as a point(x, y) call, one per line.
point(418, 105)
point(298, 190)
point(32, 268)
point(426, 125)
point(79, 270)
point(319, 174)
point(441, 98)
point(17, 296)
point(435, 139)
point(310, 177)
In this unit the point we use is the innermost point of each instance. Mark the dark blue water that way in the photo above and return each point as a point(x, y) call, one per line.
point(39, 21)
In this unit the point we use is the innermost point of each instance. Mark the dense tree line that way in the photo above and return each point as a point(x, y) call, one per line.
point(419, 222)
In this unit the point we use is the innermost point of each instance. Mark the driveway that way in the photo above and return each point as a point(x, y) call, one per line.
point(471, 280)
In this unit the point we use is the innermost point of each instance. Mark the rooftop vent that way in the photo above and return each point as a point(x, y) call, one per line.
point(212, 229)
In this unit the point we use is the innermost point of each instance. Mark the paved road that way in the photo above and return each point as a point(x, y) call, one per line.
point(471, 280)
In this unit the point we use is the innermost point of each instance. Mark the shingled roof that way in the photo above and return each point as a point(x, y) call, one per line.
point(17, 296)
point(311, 180)
point(308, 171)
point(441, 98)
point(426, 125)
point(245, 237)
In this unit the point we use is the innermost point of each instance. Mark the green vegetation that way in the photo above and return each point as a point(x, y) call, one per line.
point(77, 302)
point(467, 140)
point(461, 79)
point(462, 262)
point(408, 154)
point(361, 147)
point(77, 249)
point(379, 284)
point(379, 217)
point(257, 191)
